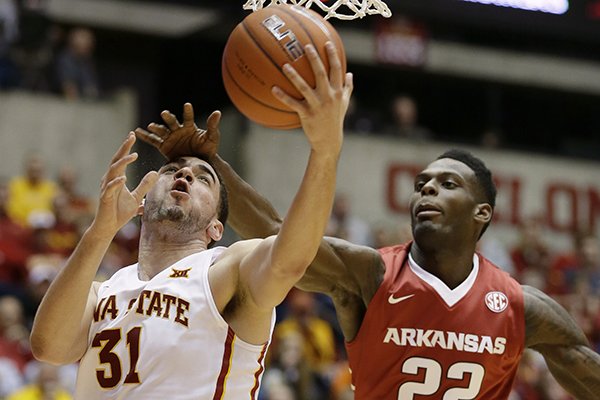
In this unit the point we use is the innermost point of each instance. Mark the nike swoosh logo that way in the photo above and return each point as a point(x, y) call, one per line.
point(396, 300)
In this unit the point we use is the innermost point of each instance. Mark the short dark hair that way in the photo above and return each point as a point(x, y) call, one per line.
point(482, 173)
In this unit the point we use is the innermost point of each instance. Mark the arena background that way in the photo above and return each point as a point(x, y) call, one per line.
point(527, 71)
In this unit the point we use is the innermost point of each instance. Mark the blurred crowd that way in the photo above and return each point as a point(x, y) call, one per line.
point(39, 55)
point(43, 216)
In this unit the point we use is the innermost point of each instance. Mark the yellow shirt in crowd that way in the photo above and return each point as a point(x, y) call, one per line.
point(32, 392)
point(26, 199)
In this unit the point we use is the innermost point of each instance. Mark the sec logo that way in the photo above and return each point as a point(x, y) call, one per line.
point(496, 301)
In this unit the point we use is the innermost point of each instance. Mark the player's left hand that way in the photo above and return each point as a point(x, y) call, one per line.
point(322, 110)
point(175, 139)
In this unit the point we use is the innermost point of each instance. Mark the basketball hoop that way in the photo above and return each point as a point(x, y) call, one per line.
point(341, 9)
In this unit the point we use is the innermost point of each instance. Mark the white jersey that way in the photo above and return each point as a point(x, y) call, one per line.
point(165, 339)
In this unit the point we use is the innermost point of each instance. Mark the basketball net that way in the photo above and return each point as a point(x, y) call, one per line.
point(341, 9)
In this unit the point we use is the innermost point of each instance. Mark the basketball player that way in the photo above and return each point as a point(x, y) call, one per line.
point(430, 319)
point(188, 321)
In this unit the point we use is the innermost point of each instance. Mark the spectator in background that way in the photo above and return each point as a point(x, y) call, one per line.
point(491, 139)
point(14, 335)
point(31, 196)
point(317, 335)
point(497, 252)
point(406, 125)
point(14, 246)
point(360, 120)
point(289, 376)
point(565, 266)
point(534, 381)
point(583, 274)
point(11, 378)
point(78, 209)
point(531, 255)
point(344, 225)
point(59, 237)
point(75, 66)
point(9, 32)
point(46, 386)
point(35, 51)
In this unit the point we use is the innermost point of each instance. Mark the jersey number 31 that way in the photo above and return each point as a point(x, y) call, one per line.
point(107, 340)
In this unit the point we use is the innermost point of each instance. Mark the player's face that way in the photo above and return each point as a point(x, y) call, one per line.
point(443, 200)
point(187, 192)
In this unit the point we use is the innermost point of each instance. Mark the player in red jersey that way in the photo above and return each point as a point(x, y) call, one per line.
point(430, 319)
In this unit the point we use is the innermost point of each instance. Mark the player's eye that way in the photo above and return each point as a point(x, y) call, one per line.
point(419, 185)
point(204, 178)
point(449, 184)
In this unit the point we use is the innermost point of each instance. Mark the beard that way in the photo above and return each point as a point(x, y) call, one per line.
point(158, 212)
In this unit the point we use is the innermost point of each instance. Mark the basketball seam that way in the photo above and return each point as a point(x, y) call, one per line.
point(249, 95)
point(249, 32)
point(299, 22)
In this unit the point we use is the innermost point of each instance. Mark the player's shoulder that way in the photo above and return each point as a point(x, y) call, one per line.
point(240, 249)
point(489, 267)
point(351, 251)
point(395, 249)
point(123, 273)
point(244, 246)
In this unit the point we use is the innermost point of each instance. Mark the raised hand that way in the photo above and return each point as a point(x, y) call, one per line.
point(323, 108)
point(175, 139)
point(117, 203)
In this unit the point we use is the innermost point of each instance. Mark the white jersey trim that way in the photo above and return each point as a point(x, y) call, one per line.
point(450, 296)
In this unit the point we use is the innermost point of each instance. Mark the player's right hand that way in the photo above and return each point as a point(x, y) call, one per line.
point(117, 203)
point(322, 109)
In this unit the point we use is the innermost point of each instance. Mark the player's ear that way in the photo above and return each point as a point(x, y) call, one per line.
point(140, 210)
point(215, 230)
point(483, 213)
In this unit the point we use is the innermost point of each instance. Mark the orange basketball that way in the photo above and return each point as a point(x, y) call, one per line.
point(257, 49)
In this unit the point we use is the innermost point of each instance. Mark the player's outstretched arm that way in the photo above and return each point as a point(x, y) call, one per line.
point(551, 331)
point(61, 325)
point(277, 264)
point(350, 274)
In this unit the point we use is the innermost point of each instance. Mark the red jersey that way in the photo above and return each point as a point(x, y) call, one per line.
point(421, 340)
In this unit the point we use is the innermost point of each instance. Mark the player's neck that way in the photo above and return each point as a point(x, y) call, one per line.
point(450, 266)
point(157, 252)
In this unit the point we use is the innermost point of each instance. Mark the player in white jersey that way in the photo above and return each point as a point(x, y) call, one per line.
point(188, 321)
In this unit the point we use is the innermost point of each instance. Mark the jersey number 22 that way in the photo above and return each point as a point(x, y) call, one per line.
point(433, 379)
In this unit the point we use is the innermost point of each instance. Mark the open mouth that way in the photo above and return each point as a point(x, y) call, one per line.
point(181, 186)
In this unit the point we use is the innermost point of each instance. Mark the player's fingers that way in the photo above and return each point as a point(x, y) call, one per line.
point(118, 167)
point(213, 120)
point(307, 92)
point(335, 66)
point(159, 130)
point(124, 148)
point(148, 137)
point(112, 187)
point(317, 66)
point(286, 99)
point(188, 114)
point(349, 84)
point(170, 120)
point(147, 182)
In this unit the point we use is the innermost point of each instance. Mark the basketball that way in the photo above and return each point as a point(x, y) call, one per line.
point(257, 49)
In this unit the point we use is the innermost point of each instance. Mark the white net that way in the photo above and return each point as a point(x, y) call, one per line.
point(341, 9)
